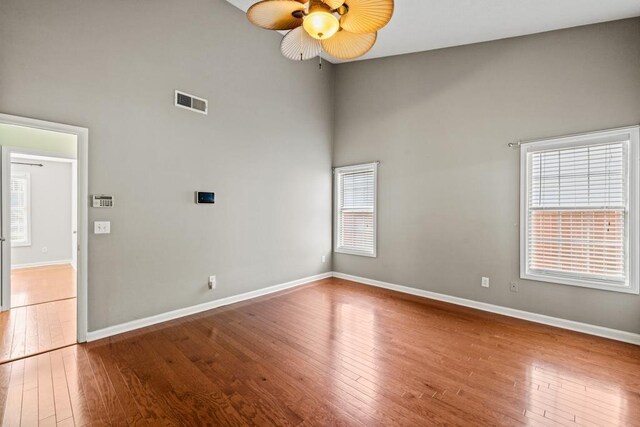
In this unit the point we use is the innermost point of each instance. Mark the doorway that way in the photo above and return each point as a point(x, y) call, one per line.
point(43, 268)
point(43, 229)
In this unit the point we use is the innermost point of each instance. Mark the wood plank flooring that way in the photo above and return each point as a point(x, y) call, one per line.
point(36, 328)
point(36, 285)
point(331, 353)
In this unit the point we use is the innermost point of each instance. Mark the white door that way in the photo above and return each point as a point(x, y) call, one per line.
point(74, 214)
point(5, 258)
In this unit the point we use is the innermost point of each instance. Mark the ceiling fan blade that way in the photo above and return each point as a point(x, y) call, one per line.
point(347, 45)
point(366, 16)
point(333, 4)
point(298, 45)
point(276, 14)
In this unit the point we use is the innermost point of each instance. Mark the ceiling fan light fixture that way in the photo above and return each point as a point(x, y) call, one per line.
point(320, 23)
point(345, 29)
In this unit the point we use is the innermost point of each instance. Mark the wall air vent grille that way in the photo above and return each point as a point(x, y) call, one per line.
point(190, 102)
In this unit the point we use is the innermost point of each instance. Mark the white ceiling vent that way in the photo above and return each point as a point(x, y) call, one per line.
point(190, 102)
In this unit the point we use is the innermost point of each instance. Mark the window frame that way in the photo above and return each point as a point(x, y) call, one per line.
point(27, 178)
point(632, 259)
point(336, 208)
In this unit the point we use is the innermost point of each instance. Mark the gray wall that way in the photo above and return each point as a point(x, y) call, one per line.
point(439, 122)
point(448, 186)
point(264, 148)
point(50, 213)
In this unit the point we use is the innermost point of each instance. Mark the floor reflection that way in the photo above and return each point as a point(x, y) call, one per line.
point(353, 344)
point(562, 397)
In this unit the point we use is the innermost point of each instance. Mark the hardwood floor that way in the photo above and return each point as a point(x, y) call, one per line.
point(36, 285)
point(331, 353)
point(36, 328)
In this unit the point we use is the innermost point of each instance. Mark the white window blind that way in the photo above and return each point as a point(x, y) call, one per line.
point(19, 211)
point(577, 219)
point(355, 204)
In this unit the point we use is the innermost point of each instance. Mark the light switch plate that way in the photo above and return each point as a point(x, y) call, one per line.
point(102, 227)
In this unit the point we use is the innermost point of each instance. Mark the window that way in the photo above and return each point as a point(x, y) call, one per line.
point(355, 209)
point(20, 215)
point(579, 210)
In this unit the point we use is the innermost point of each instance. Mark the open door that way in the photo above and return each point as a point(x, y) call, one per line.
point(22, 136)
point(39, 154)
point(74, 214)
point(5, 290)
point(39, 227)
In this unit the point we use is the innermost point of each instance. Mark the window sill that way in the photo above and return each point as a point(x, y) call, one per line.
point(582, 283)
point(353, 252)
point(20, 245)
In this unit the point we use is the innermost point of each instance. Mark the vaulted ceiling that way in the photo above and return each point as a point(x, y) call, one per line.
point(419, 25)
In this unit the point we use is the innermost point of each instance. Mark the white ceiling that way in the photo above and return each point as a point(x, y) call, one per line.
point(419, 25)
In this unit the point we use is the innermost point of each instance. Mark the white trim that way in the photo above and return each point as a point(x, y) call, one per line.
point(82, 155)
point(586, 328)
point(42, 264)
point(182, 312)
point(631, 134)
point(36, 153)
point(577, 135)
point(600, 331)
point(74, 214)
point(64, 158)
point(20, 156)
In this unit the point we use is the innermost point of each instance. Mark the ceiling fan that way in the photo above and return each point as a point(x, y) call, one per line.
point(345, 29)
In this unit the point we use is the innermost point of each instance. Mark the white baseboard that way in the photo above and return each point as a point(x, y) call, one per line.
point(586, 328)
point(600, 331)
point(41, 264)
point(175, 314)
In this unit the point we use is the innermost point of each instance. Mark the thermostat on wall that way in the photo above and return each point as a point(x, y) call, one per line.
point(101, 201)
point(204, 197)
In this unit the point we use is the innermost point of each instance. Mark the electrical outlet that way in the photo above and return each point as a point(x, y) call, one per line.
point(323, 259)
point(212, 282)
point(514, 287)
point(485, 282)
point(45, 249)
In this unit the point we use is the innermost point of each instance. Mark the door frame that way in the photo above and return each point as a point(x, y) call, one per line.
point(82, 138)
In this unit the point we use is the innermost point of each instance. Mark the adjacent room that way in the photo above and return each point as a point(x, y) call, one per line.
point(39, 284)
point(320, 212)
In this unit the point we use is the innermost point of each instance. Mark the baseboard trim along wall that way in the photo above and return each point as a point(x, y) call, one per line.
point(600, 331)
point(586, 328)
point(41, 264)
point(182, 312)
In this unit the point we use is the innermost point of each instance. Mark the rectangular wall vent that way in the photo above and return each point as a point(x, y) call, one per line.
point(190, 102)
